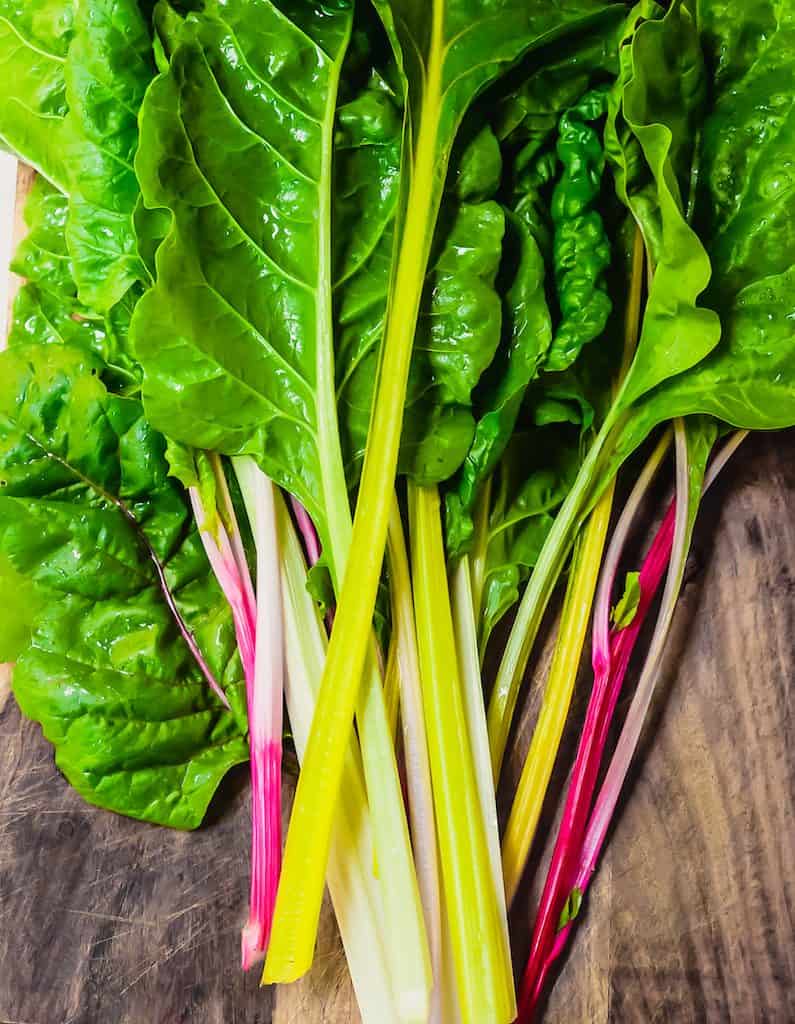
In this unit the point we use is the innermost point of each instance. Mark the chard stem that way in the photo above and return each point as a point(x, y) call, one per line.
point(265, 700)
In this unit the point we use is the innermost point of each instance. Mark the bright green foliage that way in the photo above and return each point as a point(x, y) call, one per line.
point(459, 324)
point(42, 256)
point(526, 117)
point(236, 336)
point(34, 38)
point(135, 725)
point(748, 137)
point(46, 311)
point(108, 69)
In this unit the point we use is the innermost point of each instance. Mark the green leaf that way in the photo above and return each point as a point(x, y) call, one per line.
point(22, 603)
point(581, 248)
point(658, 106)
point(42, 256)
point(47, 311)
point(459, 323)
point(457, 334)
point(626, 607)
point(109, 67)
point(527, 115)
point(235, 338)
point(533, 478)
point(106, 672)
point(745, 207)
point(34, 38)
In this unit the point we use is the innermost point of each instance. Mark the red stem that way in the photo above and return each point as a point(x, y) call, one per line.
point(622, 643)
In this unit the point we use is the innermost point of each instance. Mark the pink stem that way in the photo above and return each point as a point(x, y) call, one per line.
point(622, 643)
point(264, 692)
point(236, 540)
point(307, 530)
point(311, 546)
point(594, 733)
point(266, 849)
point(236, 585)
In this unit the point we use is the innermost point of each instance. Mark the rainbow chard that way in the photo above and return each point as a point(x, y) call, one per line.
point(236, 339)
point(578, 845)
point(745, 380)
point(644, 152)
point(440, 51)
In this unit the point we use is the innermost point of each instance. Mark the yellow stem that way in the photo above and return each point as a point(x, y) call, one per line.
point(583, 578)
point(537, 770)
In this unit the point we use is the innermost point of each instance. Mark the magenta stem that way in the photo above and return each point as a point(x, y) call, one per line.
point(307, 530)
point(621, 645)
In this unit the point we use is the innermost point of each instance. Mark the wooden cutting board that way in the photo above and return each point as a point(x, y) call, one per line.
point(690, 919)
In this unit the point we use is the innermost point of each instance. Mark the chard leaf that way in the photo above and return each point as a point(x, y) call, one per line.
point(42, 257)
point(108, 69)
point(581, 247)
point(106, 672)
point(22, 603)
point(534, 476)
point(34, 38)
point(528, 111)
point(47, 311)
point(744, 212)
point(459, 323)
point(236, 338)
point(658, 107)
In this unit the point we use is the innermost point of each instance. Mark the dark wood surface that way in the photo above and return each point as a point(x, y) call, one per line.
point(690, 919)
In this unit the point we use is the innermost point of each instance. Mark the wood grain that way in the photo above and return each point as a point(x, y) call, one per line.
point(107, 921)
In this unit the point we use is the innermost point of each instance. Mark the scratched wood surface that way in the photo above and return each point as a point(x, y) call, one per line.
point(108, 921)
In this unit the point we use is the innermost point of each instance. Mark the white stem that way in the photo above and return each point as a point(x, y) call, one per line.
point(265, 708)
point(466, 638)
point(355, 892)
point(415, 746)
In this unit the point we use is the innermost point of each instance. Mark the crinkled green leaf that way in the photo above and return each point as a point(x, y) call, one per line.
point(527, 114)
point(107, 674)
point(109, 67)
point(581, 248)
point(745, 214)
point(659, 106)
point(34, 38)
point(459, 323)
